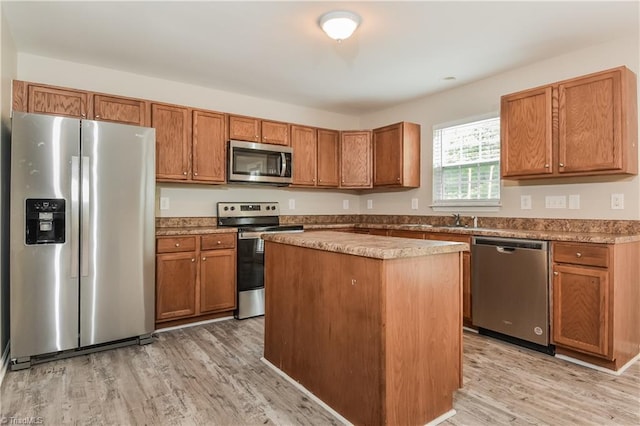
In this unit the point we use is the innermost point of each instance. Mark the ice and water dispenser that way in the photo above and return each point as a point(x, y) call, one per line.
point(45, 221)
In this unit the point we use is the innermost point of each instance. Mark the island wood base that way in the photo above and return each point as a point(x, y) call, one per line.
point(378, 340)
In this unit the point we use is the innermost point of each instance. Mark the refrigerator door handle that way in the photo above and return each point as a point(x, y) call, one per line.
point(75, 213)
point(85, 218)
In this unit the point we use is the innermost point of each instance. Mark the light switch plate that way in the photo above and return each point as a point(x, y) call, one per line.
point(164, 203)
point(292, 204)
point(617, 201)
point(414, 204)
point(555, 202)
point(525, 202)
point(574, 202)
point(369, 204)
point(345, 204)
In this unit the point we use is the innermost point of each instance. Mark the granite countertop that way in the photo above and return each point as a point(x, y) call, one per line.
point(584, 237)
point(372, 246)
point(193, 230)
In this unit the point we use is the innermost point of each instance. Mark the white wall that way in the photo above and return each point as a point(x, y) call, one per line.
point(8, 71)
point(483, 97)
point(192, 199)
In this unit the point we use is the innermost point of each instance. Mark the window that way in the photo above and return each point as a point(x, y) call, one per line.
point(466, 163)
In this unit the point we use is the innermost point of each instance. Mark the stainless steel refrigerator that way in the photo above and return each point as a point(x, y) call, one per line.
point(82, 259)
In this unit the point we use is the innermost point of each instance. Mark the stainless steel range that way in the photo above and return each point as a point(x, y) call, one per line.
point(252, 220)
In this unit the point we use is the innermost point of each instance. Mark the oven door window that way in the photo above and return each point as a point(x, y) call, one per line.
point(250, 264)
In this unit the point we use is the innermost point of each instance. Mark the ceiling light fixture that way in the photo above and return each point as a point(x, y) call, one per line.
point(339, 24)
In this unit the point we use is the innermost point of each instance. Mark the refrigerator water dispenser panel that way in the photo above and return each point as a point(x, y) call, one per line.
point(45, 221)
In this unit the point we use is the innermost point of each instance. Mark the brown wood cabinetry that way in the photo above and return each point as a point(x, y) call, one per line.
point(120, 110)
point(328, 158)
point(209, 147)
point(396, 155)
point(256, 130)
point(195, 278)
point(355, 159)
point(304, 142)
point(173, 141)
point(578, 127)
point(595, 302)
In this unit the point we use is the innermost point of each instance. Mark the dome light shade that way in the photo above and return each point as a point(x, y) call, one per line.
point(339, 24)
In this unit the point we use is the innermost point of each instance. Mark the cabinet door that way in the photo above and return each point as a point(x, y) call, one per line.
point(173, 135)
point(244, 128)
point(396, 155)
point(65, 102)
point(303, 142)
point(120, 110)
point(581, 311)
point(526, 133)
point(217, 280)
point(209, 147)
point(355, 159)
point(590, 124)
point(275, 132)
point(327, 164)
point(175, 285)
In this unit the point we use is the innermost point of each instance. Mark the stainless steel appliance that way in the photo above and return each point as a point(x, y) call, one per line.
point(510, 288)
point(252, 220)
point(260, 163)
point(82, 259)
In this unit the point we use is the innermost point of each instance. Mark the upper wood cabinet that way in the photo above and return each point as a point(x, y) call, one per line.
point(304, 143)
point(578, 127)
point(396, 153)
point(45, 99)
point(355, 159)
point(209, 156)
point(328, 158)
point(120, 110)
point(173, 136)
point(256, 130)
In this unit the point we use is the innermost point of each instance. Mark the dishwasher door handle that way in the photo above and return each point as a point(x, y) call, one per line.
point(505, 250)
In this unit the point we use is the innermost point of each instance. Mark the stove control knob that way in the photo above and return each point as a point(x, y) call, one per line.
point(232, 208)
point(226, 208)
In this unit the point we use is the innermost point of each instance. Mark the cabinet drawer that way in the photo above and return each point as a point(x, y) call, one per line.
point(581, 254)
point(218, 241)
point(175, 244)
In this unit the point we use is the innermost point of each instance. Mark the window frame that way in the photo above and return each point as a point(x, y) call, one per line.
point(462, 204)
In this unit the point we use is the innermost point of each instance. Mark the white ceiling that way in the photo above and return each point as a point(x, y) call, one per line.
point(275, 50)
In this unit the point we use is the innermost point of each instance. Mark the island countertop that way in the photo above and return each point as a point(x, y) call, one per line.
point(372, 246)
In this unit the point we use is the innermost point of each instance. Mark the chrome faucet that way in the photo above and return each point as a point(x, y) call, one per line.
point(457, 219)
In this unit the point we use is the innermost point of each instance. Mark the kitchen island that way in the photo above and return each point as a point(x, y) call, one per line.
point(370, 325)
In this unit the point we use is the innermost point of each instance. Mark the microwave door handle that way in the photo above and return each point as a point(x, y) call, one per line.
point(283, 171)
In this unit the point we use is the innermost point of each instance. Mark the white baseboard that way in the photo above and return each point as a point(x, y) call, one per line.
point(597, 367)
point(4, 362)
point(192, 324)
point(442, 418)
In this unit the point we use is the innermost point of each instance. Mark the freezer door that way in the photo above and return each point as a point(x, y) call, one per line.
point(43, 271)
point(117, 258)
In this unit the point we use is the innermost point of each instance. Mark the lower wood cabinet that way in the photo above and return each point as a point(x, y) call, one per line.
point(195, 277)
point(595, 301)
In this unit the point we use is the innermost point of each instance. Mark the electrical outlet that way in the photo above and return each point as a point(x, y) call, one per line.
point(574, 202)
point(617, 201)
point(555, 202)
point(369, 204)
point(525, 202)
point(345, 204)
point(414, 204)
point(292, 204)
point(164, 203)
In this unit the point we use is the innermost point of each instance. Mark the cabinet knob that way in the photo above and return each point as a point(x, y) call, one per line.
point(184, 173)
point(193, 260)
point(397, 179)
point(97, 116)
point(258, 137)
point(219, 242)
point(561, 164)
point(555, 272)
point(204, 259)
point(546, 166)
point(83, 115)
point(578, 254)
point(177, 244)
point(195, 174)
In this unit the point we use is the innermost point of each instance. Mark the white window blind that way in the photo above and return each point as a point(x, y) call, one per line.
point(466, 163)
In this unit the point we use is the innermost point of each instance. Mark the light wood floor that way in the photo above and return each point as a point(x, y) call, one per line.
point(212, 374)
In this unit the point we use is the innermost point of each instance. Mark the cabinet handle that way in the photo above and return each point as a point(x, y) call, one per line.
point(578, 254)
point(204, 259)
point(555, 272)
point(546, 166)
point(193, 260)
point(177, 244)
point(561, 164)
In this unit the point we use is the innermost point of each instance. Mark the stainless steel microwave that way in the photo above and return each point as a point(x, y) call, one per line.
point(259, 163)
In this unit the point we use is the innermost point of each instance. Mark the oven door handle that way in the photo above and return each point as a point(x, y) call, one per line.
point(284, 164)
point(250, 235)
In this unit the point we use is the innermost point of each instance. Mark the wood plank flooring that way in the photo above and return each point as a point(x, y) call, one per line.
point(212, 374)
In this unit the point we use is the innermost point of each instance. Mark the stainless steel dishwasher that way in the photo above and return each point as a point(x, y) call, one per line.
point(510, 290)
